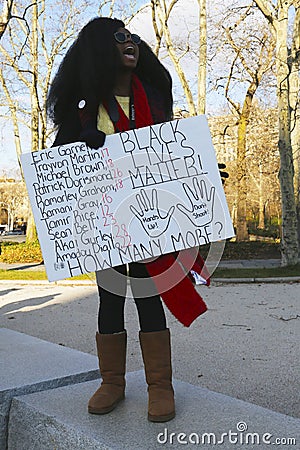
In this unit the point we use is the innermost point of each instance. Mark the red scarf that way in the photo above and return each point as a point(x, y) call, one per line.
point(182, 300)
point(143, 117)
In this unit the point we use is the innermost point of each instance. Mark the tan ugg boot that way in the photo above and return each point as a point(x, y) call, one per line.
point(112, 362)
point(156, 351)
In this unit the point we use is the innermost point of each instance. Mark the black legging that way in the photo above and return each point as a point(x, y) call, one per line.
point(112, 286)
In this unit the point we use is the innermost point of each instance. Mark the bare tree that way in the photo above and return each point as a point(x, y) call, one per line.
point(262, 162)
point(12, 105)
point(29, 52)
point(13, 200)
point(277, 16)
point(160, 16)
point(250, 51)
point(5, 16)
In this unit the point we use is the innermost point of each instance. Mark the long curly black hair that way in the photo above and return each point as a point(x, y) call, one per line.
point(88, 71)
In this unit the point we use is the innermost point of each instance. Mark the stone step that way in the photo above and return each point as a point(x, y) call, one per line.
point(29, 365)
point(58, 419)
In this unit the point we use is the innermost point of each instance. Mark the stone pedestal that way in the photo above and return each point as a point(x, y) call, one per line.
point(29, 365)
point(58, 419)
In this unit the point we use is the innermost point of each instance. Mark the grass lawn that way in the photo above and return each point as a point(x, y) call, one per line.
point(293, 271)
point(36, 275)
point(233, 250)
point(23, 275)
point(219, 273)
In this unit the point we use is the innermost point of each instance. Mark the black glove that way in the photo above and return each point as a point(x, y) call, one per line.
point(92, 137)
point(223, 174)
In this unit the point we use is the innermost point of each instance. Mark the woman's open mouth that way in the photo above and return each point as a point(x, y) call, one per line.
point(129, 53)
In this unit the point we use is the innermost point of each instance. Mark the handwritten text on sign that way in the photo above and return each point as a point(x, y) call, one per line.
point(147, 192)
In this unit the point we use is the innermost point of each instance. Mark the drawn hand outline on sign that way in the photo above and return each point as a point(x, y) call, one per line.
point(149, 214)
point(202, 203)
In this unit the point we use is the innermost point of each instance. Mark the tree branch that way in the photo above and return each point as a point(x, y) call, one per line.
point(265, 9)
point(6, 16)
point(236, 106)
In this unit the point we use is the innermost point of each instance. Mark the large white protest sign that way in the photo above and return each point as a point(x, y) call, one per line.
point(147, 192)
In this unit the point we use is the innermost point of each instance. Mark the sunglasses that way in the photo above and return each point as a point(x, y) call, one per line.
point(121, 37)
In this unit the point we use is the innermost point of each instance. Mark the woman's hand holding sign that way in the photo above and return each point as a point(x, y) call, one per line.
point(202, 202)
point(151, 218)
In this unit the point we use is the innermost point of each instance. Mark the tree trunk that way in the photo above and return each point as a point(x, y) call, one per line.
point(241, 224)
point(295, 142)
point(9, 219)
point(158, 34)
point(31, 234)
point(242, 178)
point(279, 24)
point(34, 81)
point(294, 85)
point(202, 57)
point(289, 243)
point(261, 206)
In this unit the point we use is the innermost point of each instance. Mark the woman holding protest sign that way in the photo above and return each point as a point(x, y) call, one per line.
point(110, 81)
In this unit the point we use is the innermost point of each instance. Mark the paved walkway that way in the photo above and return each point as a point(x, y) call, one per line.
point(249, 263)
point(22, 266)
point(245, 346)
